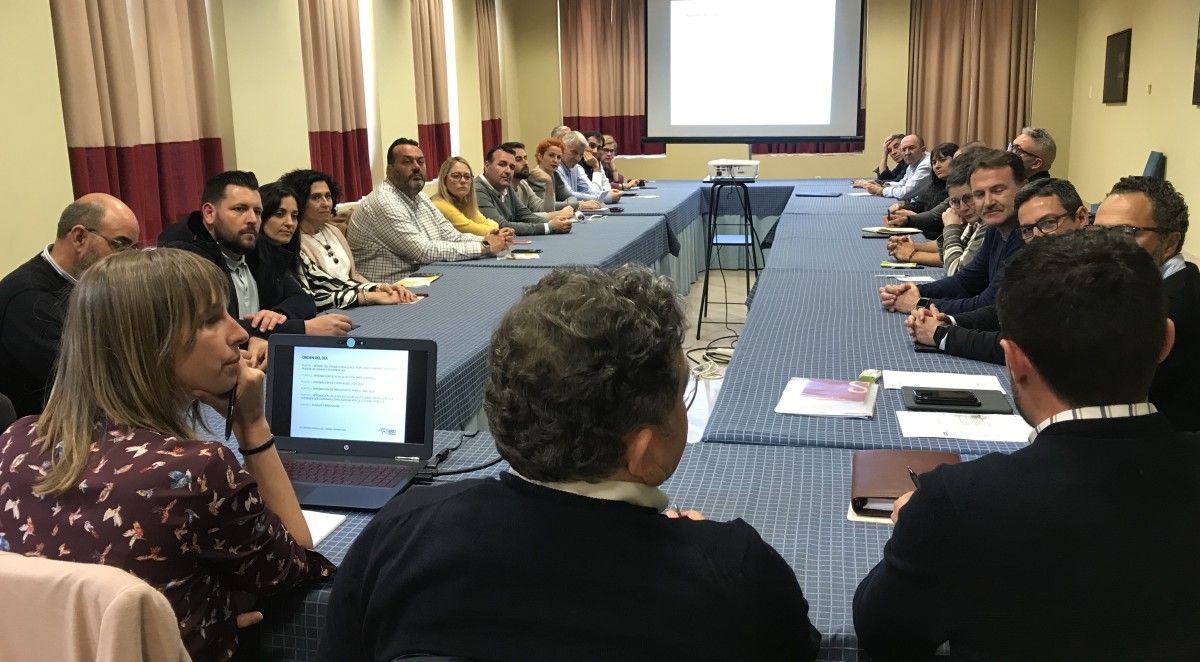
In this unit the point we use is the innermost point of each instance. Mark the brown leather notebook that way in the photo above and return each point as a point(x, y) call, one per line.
point(879, 477)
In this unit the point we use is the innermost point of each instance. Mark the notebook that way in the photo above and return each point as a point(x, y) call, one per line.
point(879, 477)
point(352, 417)
point(828, 397)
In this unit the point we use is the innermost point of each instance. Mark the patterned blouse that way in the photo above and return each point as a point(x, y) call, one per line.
point(182, 515)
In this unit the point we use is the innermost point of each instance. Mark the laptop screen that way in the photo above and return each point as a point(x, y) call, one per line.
point(350, 390)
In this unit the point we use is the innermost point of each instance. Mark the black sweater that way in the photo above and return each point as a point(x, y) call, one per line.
point(33, 305)
point(278, 289)
point(504, 569)
point(1081, 546)
point(1176, 387)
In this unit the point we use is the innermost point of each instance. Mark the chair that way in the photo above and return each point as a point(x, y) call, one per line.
point(58, 610)
point(8, 413)
point(1156, 166)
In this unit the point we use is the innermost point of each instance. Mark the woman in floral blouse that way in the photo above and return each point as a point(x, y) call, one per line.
point(112, 473)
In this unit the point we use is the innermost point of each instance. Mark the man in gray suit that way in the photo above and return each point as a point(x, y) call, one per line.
point(498, 201)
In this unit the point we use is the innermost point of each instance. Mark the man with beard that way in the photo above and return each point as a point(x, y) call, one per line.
point(545, 204)
point(498, 200)
point(1082, 544)
point(397, 229)
point(33, 297)
point(995, 179)
point(264, 295)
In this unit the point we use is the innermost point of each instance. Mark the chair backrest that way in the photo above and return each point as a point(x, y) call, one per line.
point(60, 610)
point(8, 413)
point(1156, 166)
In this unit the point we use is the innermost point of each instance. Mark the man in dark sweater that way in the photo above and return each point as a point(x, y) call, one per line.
point(264, 294)
point(1156, 215)
point(568, 555)
point(891, 148)
point(1082, 545)
point(33, 297)
point(1044, 209)
point(995, 179)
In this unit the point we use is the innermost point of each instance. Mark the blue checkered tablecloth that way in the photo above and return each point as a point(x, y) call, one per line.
point(608, 242)
point(464, 307)
point(795, 497)
point(679, 202)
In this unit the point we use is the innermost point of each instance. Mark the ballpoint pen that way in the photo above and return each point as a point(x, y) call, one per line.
point(912, 475)
point(229, 414)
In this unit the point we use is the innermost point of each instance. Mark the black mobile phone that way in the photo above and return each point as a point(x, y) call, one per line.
point(526, 250)
point(616, 210)
point(920, 349)
point(924, 396)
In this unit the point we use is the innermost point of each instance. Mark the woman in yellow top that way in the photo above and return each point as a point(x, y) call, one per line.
point(456, 198)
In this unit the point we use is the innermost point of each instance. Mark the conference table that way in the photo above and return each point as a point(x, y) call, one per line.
point(815, 314)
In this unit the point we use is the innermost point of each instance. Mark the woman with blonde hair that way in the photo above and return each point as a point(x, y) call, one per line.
point(455, 198)
point(111, 472)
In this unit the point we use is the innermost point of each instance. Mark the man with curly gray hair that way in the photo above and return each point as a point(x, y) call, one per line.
point(568, 554)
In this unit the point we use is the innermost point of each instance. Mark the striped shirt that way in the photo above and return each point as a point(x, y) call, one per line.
point(1095, 413)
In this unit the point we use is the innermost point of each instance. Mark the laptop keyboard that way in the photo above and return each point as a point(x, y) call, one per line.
point(343, 473)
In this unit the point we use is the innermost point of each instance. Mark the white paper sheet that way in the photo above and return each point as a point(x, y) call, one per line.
point(976, 427)
point(894, 379)
point(321, 524)
point(859, 193)
point(915, 279)
point(855, 517)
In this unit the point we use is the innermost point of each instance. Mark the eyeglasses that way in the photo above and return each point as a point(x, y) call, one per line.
point(961, 201)
point(1127, 230)
point(460, 176)
point(609, 150)
point(116, 245)
point(1012, 147)
point(1044, 225)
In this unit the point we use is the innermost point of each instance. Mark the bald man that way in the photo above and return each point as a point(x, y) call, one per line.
point(917, 178)
point(33, 298)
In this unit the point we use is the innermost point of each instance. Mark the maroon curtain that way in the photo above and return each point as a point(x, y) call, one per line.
point(435, 144)
point(815, 147)
point(626, 129)
point(161, 182)
point(343, 154)
point(493, 134)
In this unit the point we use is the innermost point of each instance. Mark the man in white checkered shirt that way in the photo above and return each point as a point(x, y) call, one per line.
point(397, 229)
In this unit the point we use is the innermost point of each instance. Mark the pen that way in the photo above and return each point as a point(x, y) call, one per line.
point(913, 476)
point(229, 414)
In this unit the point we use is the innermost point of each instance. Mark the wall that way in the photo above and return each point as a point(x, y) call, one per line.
point(35, 176)
point(529, 60)
point(1112, 140)
point(1053, 87)
point(264, 118)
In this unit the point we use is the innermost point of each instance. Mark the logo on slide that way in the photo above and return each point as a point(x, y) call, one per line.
point(391, 432)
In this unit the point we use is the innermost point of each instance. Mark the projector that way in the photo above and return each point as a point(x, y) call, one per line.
point(732, 170)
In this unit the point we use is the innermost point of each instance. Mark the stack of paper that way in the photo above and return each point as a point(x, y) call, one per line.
point(321, 525)
point(828, 397)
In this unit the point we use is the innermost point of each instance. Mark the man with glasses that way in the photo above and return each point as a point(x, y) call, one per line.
point(961, 237)
point(608, 154)
point(1045, 208)
point(33, 296)
point(1155, 215)
point(995, 179)
point(397, 229)
point(1037, 150)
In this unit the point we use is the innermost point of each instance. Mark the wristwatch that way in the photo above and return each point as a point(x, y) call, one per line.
point(939, 335)
point(924, 302)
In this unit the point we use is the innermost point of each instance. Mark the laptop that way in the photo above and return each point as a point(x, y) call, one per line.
point(352, 417)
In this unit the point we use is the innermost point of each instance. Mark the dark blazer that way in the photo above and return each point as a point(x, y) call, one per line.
point(509, 212)
point(1176, 387)
point(976, 335)
point(929, 222)
point(1081, 546)
point(272, 268)
point(894, 174)
point(33, 306)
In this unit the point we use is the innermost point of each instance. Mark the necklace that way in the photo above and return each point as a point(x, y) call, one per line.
point(320, 235)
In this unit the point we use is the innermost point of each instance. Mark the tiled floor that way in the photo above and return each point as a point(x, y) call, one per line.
point(722, 325)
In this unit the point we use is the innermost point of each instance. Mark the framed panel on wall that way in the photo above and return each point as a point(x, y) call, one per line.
point(1116, 67)
point(1196, 82)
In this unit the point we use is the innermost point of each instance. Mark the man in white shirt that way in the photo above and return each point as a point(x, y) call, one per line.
point(397, 229)
point(917, 178)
